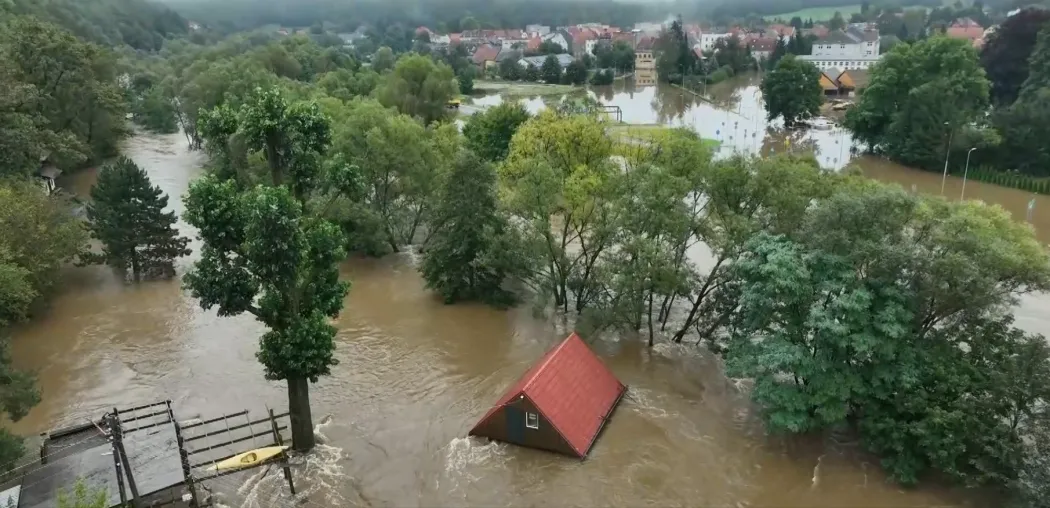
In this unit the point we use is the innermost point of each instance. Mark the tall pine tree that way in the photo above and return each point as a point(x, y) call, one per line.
point(127, 215)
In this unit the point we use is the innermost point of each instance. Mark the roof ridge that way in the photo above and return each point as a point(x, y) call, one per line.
point(547, 360)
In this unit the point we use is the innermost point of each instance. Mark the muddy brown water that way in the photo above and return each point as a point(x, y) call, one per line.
point(415, 375)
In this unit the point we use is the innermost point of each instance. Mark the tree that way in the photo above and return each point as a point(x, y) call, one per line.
point(509, 68)
point(792, 91)
point(127, 215)
point(550, 48)
point(576, 73)
point(465, 79)
point(675, 59)
point(884, 308)
point(1038, 65)
point(265, 254)
point(383, 59)
point(1025, 127)
point(603, 77)
point(71, 86)
point(489, 132)
point(156, 112)
point(1006, 53)
point(532, 73)
point(551, 70)
point(41, 232)
point(401, 167)
point(558, 172)
point(82, 496)
point(1032, 488)
point(778, 52)
point(473, 251)
point(917, 95)
point(837, 22)
point(419, 87)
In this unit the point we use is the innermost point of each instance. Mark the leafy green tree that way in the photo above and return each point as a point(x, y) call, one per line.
point(465, 79)
point(127, 215)
point(551, 70)
point(72, 85)
point(156, 112)
point(266, 254)
point(1006, 53)
point(1025, 127)
point(675, 59)
point(345, 84)
point(473, 250)
point(778, 52)
point(383, 60)
point(885, 309)
point(558, 172)
point(911, 118)
point(419, 87)
point(603, 78)
point(82, 496)
point(509, 69)
point(1038, 65)
point(792, 91)
point(576, 73)
point(532, 73)
point(401, 165)
point(550, 48)
point(1032, 488)
point(41, 232)
point(489, 132)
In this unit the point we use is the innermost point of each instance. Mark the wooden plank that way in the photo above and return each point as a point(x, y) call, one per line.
point(143, 417)
point(230, 429)
point(213, 420)
point(144, 406)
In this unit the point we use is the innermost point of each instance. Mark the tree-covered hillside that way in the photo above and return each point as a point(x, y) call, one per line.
point(136, 23)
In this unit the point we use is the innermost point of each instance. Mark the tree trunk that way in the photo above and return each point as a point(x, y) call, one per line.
point(302, 422)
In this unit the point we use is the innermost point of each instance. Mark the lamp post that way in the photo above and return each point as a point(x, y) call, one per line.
point(947, 152)
point(965, 171)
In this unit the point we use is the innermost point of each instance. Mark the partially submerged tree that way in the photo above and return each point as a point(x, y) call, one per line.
point(489, 132)
point(419, 87)
point(792, 91)
point(83, 496)
point(473, 250)
point(127, 215)
point(265, 253)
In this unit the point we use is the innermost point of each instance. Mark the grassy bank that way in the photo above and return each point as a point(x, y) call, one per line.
point(522, 88)
point(632, 141)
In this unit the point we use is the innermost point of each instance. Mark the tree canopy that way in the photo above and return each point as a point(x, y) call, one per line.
point(792, 91)
point(1006, 52)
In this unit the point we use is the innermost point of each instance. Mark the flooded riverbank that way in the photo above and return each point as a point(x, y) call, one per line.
point(415, 375)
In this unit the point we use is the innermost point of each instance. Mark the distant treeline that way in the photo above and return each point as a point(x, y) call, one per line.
point(441, 15)
point(137, 23)
point(744, 8)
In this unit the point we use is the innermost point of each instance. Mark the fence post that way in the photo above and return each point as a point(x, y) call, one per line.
point(118, 444)
point(184, 457)
point(280, 442)
point(111, 421)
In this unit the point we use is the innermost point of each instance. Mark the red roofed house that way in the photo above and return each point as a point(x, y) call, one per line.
point(968, 29)
point(559, 405)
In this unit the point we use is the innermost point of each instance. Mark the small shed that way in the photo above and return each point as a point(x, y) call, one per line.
point(829, 81)
point(561, 404)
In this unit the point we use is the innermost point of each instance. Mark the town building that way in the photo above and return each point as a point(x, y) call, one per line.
point(967, 29)
point(856, 47)
point(561, 404)
point(645, 63)
point(564, 59)
point(762, 47)
point(537, 30)
point(560, 38)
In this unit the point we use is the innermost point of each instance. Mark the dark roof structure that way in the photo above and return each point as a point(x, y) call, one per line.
point(561, 404)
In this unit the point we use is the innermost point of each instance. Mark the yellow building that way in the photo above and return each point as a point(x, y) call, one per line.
point(644, 63)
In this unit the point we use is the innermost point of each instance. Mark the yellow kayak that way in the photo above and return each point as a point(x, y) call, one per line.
point(249, 458)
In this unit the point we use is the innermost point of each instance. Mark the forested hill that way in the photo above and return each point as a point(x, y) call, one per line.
point(234, 15)
point(137, 23)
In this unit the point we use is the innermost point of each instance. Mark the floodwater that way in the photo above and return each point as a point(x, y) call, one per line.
point(414, 375)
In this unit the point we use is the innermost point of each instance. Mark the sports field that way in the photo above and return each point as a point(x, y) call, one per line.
point(818, 13)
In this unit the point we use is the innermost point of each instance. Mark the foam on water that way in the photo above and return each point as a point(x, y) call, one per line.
point(643, 401)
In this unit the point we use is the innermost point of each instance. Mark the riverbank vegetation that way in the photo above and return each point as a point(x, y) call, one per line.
point(959, 108)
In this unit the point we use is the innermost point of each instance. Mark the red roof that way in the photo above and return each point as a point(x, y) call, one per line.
point(534, 43)
point(485, 53)
point(970, 32)
point(572, 389)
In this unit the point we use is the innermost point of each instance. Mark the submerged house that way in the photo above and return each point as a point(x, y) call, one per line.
point(561, 404)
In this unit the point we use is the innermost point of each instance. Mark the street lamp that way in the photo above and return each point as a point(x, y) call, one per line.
point(947, 152)
point(965, 171)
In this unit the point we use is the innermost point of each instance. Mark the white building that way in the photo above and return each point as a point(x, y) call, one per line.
point(857, 47)
point(649, 28)
point(538, 30)
point(510, 43)
point(708, 40)
point(589, 45)
point(557, 38)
